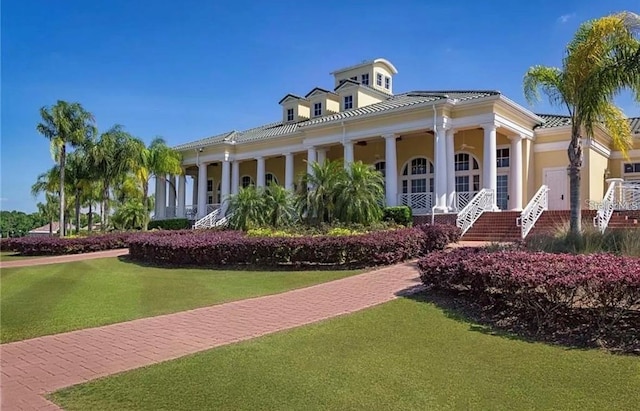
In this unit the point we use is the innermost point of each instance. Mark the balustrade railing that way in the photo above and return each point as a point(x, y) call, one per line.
point(463, 198)
point(481, 202)
point(420, 203)
point(532, 212)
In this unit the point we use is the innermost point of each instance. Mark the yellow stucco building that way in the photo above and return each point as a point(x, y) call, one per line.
point(437, 149)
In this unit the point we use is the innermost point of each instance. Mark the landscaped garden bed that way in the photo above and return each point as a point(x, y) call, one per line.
point(30, 246)
point(581, 300)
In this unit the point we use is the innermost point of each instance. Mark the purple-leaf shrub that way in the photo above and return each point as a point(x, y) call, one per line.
point(540, 287)
point(438, 236)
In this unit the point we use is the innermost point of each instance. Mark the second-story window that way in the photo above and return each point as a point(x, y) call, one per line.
point(348, 102)
point(317, 109)
point(378, 79)
point(365, 79)
point(290, 114)
point(502, 156)
point(387, 82)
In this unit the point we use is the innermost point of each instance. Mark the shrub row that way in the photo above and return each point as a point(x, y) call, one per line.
point(399, 214)
point(234, 248)
point(437, 236)
point(543, 290)
point(60, 246)
point(170, 224)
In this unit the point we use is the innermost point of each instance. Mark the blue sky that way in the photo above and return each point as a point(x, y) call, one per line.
point(190, 69)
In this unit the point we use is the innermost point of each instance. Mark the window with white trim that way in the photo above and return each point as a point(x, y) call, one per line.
point(467, 178)
point(348, 102)
point(209, 186)
point(381, 166)
point(365, 79)
point(246, 181)
point(387, 82)
point(290, 114)
point(317, 109)
point(502, 156)
point(218, 196)
point(631, 168)
point(378, 79)
point(270, 178)
point(417, 184)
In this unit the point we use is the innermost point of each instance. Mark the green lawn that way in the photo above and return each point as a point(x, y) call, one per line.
point(55, 298)
point(402, 355)
point(12, 256)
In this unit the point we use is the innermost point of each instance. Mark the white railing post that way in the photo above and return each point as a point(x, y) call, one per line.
point(609, 203)
point(532, 212)
point(481, 202)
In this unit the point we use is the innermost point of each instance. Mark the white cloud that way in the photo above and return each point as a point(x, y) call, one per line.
point(566, 17)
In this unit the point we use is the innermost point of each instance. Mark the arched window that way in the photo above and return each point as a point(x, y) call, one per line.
point(246, 181)
point(467, 178)
point(270, 178)
point(417, 185)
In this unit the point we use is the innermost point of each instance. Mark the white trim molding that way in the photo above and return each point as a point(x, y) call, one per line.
point(617, 155)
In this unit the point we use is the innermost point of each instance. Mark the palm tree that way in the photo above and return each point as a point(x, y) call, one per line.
point(359, 195)
point(65, 124)
point(156, 160)
point(112, 156)
point(80, 179)
point(602, 60)
point(279, 206)
point(129, 215)
point(246, 209)
point(316, 195)
point(49, 209)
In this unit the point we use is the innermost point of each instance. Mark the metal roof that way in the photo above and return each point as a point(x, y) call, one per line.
point(558, 120)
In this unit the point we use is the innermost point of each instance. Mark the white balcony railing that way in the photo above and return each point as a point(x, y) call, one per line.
point(621, 195)
point(463, 198)
point(420, 203)
point(481, 202)
point(532, 212)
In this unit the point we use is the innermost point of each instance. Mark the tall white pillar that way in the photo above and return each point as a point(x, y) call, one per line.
point(225, 185)
point(182, 181)
point(451, 171)
point(202, 190)
point(235, 177)
point(515, 177)
point(440, 150)
point(161, 197)
point(348, 153)
point(490, 164)
point(321, 155)
point(171, 210)
point(311, 158)
point(390, 170)
point(260, 175)
point(288, 171)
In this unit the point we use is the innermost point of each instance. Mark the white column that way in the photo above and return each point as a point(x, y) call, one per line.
point(182, 181)
point(161, 197)
point(288, 171)
point(260, 175)
point(390, 170)
point(311, 158)
point(202, 190)
point(440, 150)
point(321, 155)
point(451, 171)
point(235, 177)
point(225, 185)
point(348, 153)
point(194, 194)
point(172, 196)
point(515, 177)
point(490, 165)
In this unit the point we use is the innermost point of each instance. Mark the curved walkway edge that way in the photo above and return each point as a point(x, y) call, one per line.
point(31, 368)
point(28, 262)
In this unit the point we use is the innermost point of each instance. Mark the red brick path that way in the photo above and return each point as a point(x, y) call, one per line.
point(34, 367)
point(63, 258)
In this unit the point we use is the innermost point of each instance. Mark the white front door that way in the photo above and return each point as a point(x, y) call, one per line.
point(558, 182)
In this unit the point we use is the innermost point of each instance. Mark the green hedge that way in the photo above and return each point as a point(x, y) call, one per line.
point(400, 215)
point(171, 224)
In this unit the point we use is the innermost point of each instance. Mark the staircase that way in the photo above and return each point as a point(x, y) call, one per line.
point(501, 226)
point(495, 226)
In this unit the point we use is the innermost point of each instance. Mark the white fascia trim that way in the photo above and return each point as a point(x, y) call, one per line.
point(505, 122)
point(598, 147)
point(552, 130)
point(564, 145)
point(521, 109)
point(617, 155)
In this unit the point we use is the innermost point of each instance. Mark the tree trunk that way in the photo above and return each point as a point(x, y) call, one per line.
point(63, 154)
point(77, 212)
point(90, 216)
point(575, 165)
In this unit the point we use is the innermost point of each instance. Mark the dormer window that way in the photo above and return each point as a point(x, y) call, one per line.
point(387, 82)
point(378, 79)
point(290, 114)
point(348, 102)
point(317, 109)
point(365, 79)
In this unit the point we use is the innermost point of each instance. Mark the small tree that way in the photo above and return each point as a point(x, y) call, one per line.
point(279, 206)
point(247, 209)
point(317, 193)
point(359, 194)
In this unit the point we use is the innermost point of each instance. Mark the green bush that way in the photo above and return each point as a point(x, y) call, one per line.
point(399, 215)
point(171, 224)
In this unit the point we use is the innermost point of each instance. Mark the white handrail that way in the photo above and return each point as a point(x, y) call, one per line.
point(481, 202)
point(209, 220)
point(532, 212)
point(605, 211)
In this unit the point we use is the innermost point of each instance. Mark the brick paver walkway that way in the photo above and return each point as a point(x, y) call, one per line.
point(35, 367)
point(28, 262)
